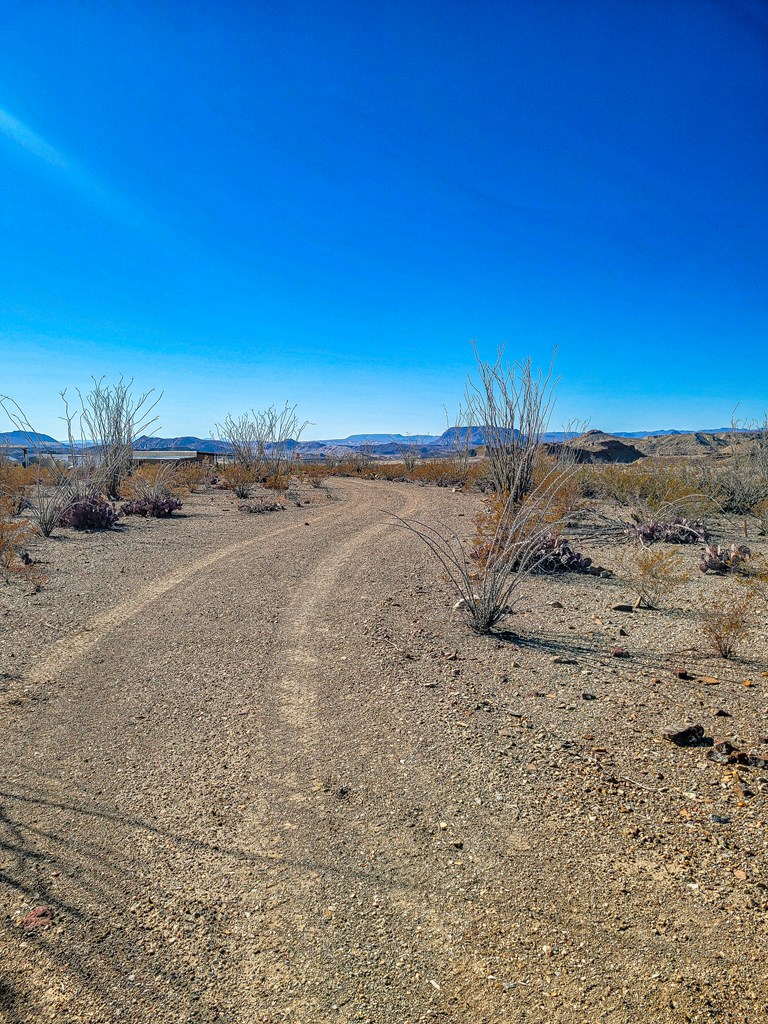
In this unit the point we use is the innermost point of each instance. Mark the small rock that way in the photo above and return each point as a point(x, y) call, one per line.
point(622, 608)
point(619, 652)
point(681, 672)
point(718, 819)
point(40, 917)
point(622, 631)
point(559, 660)
point(685, 735)
point(555, 604)
point(588, 696)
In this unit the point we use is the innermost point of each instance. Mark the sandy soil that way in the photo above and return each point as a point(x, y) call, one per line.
point(260, 771)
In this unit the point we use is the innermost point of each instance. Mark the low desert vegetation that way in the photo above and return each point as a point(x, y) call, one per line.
point(262, 441)
point(727, 617)
point(15, 561)
point(514, 404)
point(653, 575)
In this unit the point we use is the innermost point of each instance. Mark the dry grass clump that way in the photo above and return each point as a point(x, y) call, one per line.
point(240, 478)
point(312, 474)
point(726, 618)
point(654, 575)
point(280, 482)
point(188, 476)
point(15, 483)
point(149, 481)
point(15, 562)
point(649, 483)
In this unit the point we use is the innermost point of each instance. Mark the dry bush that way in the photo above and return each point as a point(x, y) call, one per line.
point(737, 484)
point(151, 481)
point(489, 588)
point(188, 476)
point(240, 478)
point(262, 440)
point(512, 405)
point(726, 618)
point(451, 472)
point(15, 483)
point(567, 496)
point(649, 483)
point(111, 416)
point(15, 563)
point(441, 472)
point(279, 483)
point(553, 553)
point(313, 474)
point(653, 575)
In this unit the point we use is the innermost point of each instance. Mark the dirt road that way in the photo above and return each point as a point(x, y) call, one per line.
point(273, 779)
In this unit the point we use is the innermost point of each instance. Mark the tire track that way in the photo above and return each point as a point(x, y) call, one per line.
point(70, 649)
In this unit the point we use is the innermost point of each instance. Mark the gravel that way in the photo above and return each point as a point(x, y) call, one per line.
point(258, 770)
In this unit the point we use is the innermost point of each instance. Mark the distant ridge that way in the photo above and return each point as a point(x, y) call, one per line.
point(595, 444)
point(18, 439)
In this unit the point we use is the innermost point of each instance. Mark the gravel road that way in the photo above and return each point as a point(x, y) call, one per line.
point(260, 772)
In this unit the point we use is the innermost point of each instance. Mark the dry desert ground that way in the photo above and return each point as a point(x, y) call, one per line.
point(256, 769)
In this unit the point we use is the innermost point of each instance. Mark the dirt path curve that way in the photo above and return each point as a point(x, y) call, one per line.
point(175, 802)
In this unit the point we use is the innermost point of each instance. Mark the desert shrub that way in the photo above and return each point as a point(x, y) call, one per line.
point(47, 504)
point(240, 478)
point(512, 405)
point(263, 440)
point(258, 507)
point(567, 496)
point(740, 482)
point(675, 531)
point(488, 588)
point(648, 483)
point(112, 416)
point(151, 481)
point(722, 561)
point(154, 508)
point(90, 514)
point(653, 575)
point(553, 553)
point(15, 484)
point(313, 474)
point(15, 562)
point(450, 472)
point(187, 477)
point(278, 483)
point(726, 618)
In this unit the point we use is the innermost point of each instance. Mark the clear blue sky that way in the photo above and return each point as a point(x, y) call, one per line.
point(242, 203)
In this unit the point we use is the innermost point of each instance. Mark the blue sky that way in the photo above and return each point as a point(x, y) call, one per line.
point(243, 203)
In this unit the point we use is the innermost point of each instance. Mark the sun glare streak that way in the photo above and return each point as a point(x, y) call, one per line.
point(93, 190)
point(19, 133)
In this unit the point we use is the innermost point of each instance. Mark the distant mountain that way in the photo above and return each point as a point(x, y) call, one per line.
point(357, 439)
point(187, 443)
point(18, 439)
point(461, 435)
point(671, 433)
